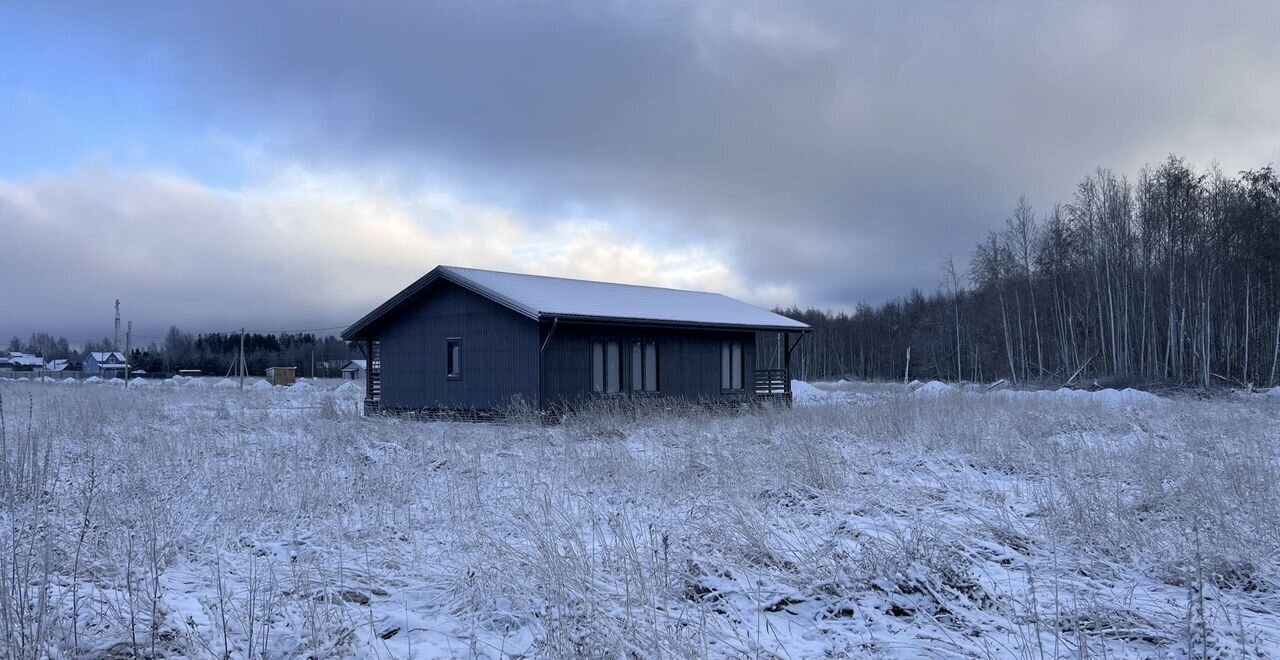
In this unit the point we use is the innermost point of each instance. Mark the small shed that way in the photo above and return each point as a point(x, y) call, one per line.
point(282, 375)
point(354, 370)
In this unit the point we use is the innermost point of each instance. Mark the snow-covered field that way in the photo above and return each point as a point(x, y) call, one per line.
point(191, 520)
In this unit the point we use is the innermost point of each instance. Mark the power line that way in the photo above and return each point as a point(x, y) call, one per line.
point(280, 332)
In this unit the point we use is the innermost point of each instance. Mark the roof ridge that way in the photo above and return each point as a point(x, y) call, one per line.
point(578, 279)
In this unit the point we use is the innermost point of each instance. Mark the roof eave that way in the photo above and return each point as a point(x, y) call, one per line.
point(356, 330)
point(665, 323)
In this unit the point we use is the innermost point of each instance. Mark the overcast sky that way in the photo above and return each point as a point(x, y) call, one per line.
point(283, 165)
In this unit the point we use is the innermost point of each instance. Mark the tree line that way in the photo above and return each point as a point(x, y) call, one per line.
point(1171, 277)
point(211, 353)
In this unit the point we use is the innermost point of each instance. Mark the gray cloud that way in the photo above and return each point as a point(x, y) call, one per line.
point(837, 149)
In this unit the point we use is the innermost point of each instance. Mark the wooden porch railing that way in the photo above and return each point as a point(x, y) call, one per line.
point(772, 381)
point(373, 386)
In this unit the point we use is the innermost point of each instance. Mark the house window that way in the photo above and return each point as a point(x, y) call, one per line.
point(606, 367)
point(731, 365)
point(644, 366)
point(453, 349)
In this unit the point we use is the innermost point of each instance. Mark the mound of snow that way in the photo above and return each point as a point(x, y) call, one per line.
point(226, 384)
point(914, 385)
point(803, 392)
point(69, 381)
point(350, 387)
point(934, 388)
point(1069, 394)
point(261, 386)
point(139, 382)
point(1127, 396)
point(116, 381)
point(171, 382)
point(46, 379)
point(301, 386)
point(195, 382)
point(93, 379)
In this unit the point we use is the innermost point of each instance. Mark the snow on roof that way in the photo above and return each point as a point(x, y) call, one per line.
point(357, 364)
point(556, 296)
point(103, 356)
point(548, 298)
point(26, 361)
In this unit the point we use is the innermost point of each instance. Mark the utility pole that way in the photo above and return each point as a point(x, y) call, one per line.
point(115, 345)
point(240, 363)
point(313, 364)
point(128, 346)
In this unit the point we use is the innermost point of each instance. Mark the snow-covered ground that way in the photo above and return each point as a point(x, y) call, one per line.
point(195, 520)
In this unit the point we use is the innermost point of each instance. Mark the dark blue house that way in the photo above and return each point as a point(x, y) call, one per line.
point(463, 339)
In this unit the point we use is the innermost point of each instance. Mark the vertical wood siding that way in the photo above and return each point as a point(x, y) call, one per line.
point(688, 361)
point(499, 352)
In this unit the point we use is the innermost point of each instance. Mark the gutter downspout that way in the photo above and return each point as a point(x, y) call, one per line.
point(554, 322)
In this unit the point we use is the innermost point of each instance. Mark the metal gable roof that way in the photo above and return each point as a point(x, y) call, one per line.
point(545, 298)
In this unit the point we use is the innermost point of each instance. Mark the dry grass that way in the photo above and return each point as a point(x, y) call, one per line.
point(211, 523)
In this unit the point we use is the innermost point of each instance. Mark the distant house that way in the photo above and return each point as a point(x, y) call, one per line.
point(104, 364)
point(355, 370)
point(60, 365)
point(25, 362)
point(468, 339)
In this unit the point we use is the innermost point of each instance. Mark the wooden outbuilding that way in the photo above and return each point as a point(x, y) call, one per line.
point(282, 375)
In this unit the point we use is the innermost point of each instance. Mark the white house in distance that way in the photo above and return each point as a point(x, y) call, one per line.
point(24, 362)
point(104, 364)
point(355, 370)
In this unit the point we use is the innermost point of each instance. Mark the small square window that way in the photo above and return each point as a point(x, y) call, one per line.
point(453, 349)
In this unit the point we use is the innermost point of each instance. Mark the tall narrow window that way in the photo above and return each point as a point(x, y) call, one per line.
point(737, 365)
point(651, 366)
point(597, 367)
point(637, 366)
point(731, 365)
point(726, 370)
point(453, 359)
point(606, 367)
point(644, 366)
point(612, 368)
